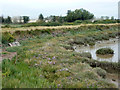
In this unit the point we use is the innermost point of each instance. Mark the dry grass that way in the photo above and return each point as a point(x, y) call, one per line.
point(50, 27)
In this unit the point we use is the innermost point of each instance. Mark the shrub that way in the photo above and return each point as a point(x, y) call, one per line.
point(86, 54)
point(100, 72)
point(104, 51)
point(78, 21)
point(105, 21)
point(6, 26)
point(90, 75)
point(112, 35)
point(92, 43)
point(42, 24)
point(67, 47)
point(51, 24)
point(13, 49)
point(7, 38)
point(79, 41)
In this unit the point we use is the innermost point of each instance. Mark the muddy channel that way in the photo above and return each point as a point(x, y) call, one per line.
point(113, 44)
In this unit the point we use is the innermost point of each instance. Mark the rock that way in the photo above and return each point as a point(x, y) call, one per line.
point(14, 44)
point(10, 44)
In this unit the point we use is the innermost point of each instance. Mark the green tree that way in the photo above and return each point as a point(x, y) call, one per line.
point(9, 20)
point(102, 17)
point(26, 19)
point(53, 18)
point(78, 14)
point(112, 18)
point(41, 17)
point(2, 19)
point(61, 19)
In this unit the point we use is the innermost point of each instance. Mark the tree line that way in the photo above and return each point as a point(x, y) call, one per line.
point(78, 14)
point(9, 20)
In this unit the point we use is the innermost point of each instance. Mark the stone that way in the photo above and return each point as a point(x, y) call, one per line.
point(14, 44)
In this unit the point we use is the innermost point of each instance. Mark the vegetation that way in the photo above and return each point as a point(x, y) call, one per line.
point(6, 20)
point(7, 38)
point(42, 23)
point(101, 72)
point(26, 19)
point(45, 59)
point(78, 14)
point(86, 54)
point(105, 51)
point(40, 17)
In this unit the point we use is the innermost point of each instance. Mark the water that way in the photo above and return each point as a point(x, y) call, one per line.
point(112, 43)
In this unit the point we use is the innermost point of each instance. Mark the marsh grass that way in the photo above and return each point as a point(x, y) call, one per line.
point(45, 61)
point(100, 72)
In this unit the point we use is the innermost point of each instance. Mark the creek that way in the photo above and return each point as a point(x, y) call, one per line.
point(111, 43)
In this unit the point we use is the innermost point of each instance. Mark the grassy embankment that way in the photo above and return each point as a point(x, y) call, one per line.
point(46, 59)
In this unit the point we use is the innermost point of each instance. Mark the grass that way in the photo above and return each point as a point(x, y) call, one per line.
point(102, 73)
point(52, 27)
point(46, 60)
point(0, 80)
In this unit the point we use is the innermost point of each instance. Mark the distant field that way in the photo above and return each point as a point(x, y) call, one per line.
point(49, 27)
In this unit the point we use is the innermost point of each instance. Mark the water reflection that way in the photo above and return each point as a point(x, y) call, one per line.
point(112, 43)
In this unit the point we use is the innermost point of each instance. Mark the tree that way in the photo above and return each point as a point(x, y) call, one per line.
point(54, 18)
point(2, 19)
point(68, 12)
point(9, 20)
point(6, 20)
point(41, 17)
point(112, 18)
point(107, 17)
point(61, 19)
point(102, 17)
point(78, 14)
point(25, 19)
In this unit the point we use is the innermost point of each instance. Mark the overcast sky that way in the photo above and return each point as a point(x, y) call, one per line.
point(33, 8)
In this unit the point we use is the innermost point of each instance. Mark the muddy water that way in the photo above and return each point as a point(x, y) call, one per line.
point(112, 43)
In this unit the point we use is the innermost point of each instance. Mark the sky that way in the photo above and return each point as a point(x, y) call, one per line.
point(33, 8)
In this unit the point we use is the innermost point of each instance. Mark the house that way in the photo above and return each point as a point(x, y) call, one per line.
point(17, 19)
point(32, 20)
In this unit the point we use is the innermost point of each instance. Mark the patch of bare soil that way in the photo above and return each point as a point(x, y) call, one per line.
point(113, 78)
point(9, 55)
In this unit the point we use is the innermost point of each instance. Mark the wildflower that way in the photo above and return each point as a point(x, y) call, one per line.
point(58, 85)
point(49, 59)
point(39, 54)
point(53, 57)
point(40, 62)
point(53, 63)
point(50, 62)
point(37, 57)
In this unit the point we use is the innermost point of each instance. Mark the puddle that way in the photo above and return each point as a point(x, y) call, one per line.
point(112, 43)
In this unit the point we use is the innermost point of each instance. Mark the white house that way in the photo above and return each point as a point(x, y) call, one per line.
point(17, 19)
point(32, 20)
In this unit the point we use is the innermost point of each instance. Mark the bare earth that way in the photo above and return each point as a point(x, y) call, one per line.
point(8, 56)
